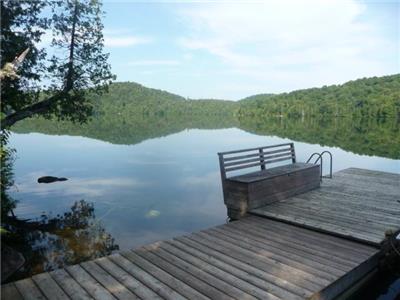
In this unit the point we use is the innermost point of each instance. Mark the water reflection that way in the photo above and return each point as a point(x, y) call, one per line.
point(368, 136)
point(52, 242)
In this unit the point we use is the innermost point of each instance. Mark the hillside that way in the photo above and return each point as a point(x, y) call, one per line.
point(377, 97)
point(367, 97)
point(129, 98)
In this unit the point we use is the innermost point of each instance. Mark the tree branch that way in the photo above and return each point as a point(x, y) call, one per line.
point(29, 111)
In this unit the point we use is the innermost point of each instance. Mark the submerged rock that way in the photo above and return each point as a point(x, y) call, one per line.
point(50, 179)
point(152, 213)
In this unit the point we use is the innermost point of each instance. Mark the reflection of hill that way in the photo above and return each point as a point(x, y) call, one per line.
point(368, 137)
point(127, 130)
point(362, 136)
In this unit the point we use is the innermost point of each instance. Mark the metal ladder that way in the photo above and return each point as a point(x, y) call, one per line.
point(320, 158)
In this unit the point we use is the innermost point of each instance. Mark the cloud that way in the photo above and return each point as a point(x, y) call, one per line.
point(320, 41)
point(125, 41)
point(153, 63)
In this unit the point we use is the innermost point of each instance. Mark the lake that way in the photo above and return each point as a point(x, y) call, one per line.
point(122, 195)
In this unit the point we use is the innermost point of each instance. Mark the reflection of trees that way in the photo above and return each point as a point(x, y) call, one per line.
point(53, 242)
point(368, 136)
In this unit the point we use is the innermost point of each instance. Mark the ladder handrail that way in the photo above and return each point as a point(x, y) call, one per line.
point(331, 159)
point(320, 158)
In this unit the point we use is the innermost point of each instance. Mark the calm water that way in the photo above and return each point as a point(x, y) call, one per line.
point(156, 189)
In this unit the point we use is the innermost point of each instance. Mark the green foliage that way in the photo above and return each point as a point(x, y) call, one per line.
point(74, 64)
point(7, 176)
point(128, 100)
point(22, 27)
point(84, 68)
point(377, 97)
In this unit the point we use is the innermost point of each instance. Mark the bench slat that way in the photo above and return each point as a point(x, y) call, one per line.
point(257, 164)
point(261, 157)
point(251, 149)
point(257, 154)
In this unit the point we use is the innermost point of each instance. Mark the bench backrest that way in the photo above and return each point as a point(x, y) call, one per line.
point(249, 158)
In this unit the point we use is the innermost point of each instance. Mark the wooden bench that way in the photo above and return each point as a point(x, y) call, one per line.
point(245, 192)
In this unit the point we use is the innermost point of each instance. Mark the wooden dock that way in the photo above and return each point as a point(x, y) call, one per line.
point(317, 252)
point(357, 204)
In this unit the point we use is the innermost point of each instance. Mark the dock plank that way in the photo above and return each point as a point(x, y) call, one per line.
point(319, 266)
point(10, 291)
point(221, 270)
point(69, 285)
point(108, 281)
point(29, 290)
point(212, 281)
point(278, 284)
point(93, 287)
point(185, 274)
point(156, 278)
point(127, 280)
point(49, 287)
point(297, 276)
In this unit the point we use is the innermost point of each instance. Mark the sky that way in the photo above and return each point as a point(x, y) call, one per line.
point(234, 49)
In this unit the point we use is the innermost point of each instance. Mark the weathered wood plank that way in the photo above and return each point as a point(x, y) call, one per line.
point(266, 274)
point(29, 290)
point(288, 259)
point(112, 285)
point(49, 287)
point(318, 249)
point(174, 288)
point(310, 236)
point(321, 226)
point(10, 292)
point(69, 285)
point(95, 289)
point(335, 204)
point(189, 275)
point(180, 248)
point(153, 282)
point(362, 225)
point(226, 282)
point(299, 277)
point(370, 173)
point(127, 280)
point(219, 269)
point(287, 252)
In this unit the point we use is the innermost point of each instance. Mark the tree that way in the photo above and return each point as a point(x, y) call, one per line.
point(62, 82)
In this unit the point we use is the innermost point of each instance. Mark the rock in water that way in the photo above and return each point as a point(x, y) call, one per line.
point(50, 179)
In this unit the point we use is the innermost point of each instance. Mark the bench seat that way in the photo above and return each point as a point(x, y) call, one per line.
point(251, 190)
point(272, 172)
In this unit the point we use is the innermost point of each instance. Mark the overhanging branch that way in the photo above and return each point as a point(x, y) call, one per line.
point(29, 111)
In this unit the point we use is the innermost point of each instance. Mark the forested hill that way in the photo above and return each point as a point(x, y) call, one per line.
point(368, 97)
point(377, 97)
point(129, 98)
